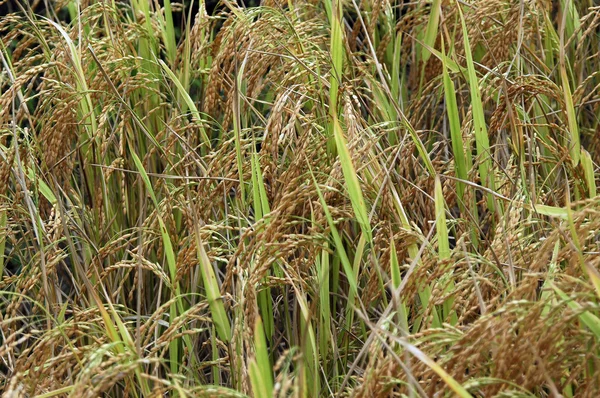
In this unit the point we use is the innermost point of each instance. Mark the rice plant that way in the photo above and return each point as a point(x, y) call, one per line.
point(299, 198)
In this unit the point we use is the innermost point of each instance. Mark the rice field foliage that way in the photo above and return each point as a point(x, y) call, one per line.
point(300, 198)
